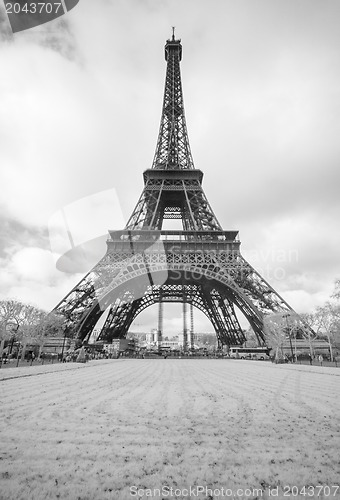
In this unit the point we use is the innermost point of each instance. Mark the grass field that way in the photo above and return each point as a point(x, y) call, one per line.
point(118, 429)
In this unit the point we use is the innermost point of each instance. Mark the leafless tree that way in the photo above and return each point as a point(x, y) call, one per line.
point(327, 322)
point(336, 293)
point(10, 311)
point(285, 325)
point(274, 329)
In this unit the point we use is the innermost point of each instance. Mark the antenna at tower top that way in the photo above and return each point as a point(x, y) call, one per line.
point(173, 33)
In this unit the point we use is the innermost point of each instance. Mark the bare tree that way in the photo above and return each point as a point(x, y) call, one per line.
point(10, 311)
point(32, 325)
point(327, 322)
point(336, 293)
point(274, 330)
point(311, 330)
point(30, 320)
point(289, 325)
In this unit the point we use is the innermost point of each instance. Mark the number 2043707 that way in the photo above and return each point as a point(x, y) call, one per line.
point(312, 491)
point(33, 8)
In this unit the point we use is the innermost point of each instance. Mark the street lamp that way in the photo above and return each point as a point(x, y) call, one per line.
point(330, 344)
point(289, 334)
point(66, 329)
point(2, 344)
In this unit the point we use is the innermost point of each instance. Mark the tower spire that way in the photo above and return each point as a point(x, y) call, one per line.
point(173, 149)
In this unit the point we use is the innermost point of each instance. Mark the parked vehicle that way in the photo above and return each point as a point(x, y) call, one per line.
point(257, 353)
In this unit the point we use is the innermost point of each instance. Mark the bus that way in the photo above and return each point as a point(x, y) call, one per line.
point(239, 352)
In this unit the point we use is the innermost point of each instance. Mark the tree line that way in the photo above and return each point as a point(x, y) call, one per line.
point(20, 322)
point(26, 323)
point(322, 323)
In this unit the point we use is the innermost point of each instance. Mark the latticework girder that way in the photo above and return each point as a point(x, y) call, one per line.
point(137, 264)
point(220, 312)
point(173, 150)
point(173, 194)
point(173, 185)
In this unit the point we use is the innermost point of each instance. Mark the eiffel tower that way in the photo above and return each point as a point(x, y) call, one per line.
point(200, 265)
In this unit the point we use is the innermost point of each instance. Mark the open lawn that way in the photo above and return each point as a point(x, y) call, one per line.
point(109, 428)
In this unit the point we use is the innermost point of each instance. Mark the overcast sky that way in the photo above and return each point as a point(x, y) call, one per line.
point(81, 100)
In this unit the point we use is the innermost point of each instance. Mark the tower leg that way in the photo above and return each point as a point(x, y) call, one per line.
point(191, 326)
point(160, 321)
point(185, 327)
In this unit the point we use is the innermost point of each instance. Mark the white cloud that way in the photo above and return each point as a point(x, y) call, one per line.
point(303, 301)
point(30, 275)
point(33, 264)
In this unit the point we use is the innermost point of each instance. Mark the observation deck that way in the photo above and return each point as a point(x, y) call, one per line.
point(141, 240)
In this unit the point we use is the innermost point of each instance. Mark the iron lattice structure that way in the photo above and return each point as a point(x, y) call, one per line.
point(144, 265)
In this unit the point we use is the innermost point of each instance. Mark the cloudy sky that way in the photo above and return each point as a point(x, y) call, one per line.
point(81, 99)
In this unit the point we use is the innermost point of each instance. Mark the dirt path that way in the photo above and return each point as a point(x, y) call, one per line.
point(95, 431)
